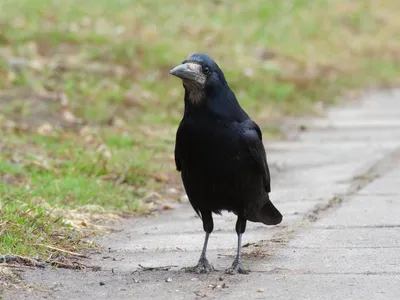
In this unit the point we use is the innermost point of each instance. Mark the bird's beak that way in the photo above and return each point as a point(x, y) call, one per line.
point(185, 71)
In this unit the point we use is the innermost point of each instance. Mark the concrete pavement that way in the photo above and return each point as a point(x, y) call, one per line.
point(337, 185)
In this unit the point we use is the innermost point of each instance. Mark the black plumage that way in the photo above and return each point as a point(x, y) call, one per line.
point(220, 154)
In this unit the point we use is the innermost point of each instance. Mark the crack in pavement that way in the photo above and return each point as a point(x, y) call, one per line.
point(381, 167)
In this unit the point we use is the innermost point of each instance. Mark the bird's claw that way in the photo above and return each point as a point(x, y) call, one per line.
point(236, 268)
point(203, 266)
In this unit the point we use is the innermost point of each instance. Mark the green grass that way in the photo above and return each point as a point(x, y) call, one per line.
point(88, 117)
point(29, 227)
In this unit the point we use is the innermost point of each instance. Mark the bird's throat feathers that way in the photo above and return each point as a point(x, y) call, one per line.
point(194, 93)
point(220, 101)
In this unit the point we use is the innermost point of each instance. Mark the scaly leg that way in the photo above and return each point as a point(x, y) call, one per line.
point(237, 266)
point(203, 266)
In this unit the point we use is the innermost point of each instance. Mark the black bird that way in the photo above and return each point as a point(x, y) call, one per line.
point(220, 155)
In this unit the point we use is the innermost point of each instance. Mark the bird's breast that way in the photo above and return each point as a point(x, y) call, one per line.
point(214, 151)
point(216, 166)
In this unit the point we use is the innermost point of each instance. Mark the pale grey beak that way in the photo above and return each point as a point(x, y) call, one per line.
point(183, 71)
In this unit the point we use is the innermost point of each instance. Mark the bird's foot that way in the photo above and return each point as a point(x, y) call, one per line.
point(203, 266)
point(236, 267)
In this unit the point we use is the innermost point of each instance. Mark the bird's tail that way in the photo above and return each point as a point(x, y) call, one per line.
point(266, 213)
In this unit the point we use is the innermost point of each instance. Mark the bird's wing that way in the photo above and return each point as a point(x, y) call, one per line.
point(253, 138)
point(178, 143)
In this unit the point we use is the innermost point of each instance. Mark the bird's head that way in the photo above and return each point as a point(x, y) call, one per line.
point(199, 73)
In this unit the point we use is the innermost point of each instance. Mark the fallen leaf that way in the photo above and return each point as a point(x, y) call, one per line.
point(45, 129)
point(159, 177)
point(167, 207)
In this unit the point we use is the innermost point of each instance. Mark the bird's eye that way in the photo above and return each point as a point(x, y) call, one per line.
point(206, 70)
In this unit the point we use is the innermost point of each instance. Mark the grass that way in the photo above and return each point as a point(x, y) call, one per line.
point(88, 111)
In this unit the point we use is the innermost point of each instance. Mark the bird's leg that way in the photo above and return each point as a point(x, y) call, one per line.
point(237, 266)
point(203, 266)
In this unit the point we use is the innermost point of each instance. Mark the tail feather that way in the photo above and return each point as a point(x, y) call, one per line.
point(266, 213)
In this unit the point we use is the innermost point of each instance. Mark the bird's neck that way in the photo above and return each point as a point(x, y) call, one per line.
point(221, 103)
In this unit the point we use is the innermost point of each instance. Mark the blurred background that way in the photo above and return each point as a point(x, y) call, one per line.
point(88, 111)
